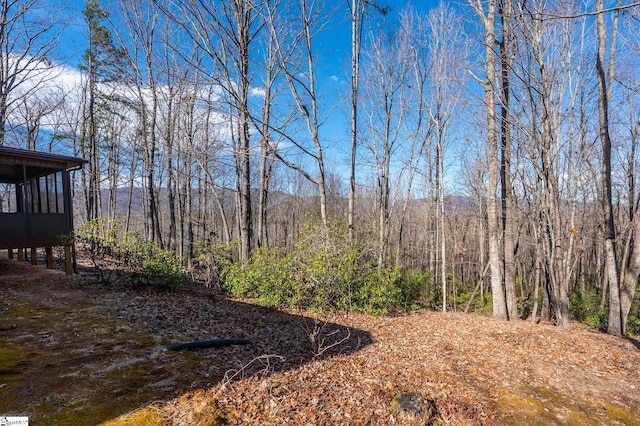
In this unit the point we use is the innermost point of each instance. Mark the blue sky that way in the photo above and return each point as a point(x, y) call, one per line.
point(337, 39)
point(333, 72)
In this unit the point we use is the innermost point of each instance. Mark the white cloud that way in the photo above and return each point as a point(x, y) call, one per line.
point(258, 92)
point(57, 91)
point(334, 78)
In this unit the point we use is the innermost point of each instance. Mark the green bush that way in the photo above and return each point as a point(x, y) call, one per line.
point(584, 305)
point(595, 322)
point(585, 308)
point(633, 320)
point(415, 287)
point(462, 299)
point(98, 237)
point(269, 277)
point(633, 325)
point(211, 261)
point(329, 277)
point(381, 292)
point(146, 262)
point(163, 269)
point(324, 272)
point(134, 250)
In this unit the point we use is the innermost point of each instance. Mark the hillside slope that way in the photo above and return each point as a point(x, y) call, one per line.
point(74, 351)
point(472, 369)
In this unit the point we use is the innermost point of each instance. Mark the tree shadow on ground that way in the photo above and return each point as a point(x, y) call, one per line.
point(80, 351)
point(279, 339)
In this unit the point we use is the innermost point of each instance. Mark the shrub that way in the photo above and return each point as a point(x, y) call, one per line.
point(582, 306)
point(633, 325)
point(328, 277)
point(211, 261)
point(99, 238)
point(633, 320)
point(147, 263)
point(269, 277)
point(381, 291)
point(595, 322)
point(133, 250)
point(163, 269)
point(461, 300)
point(324, 272)
point(414, 286)
point(585, 308)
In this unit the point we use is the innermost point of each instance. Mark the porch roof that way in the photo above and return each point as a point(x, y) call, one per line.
point(38, 163)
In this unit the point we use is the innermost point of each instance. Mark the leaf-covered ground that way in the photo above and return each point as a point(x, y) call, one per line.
point(477, 371)
point(70, 344)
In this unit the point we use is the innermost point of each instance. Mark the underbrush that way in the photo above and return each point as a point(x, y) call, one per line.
point(633, 322)
point(143, 261)
point(585, 308)
point(324, 272)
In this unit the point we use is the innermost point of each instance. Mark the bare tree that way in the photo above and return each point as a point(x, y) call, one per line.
point(357, 9)
point(141, 22)
point(385, 89)
point(604, 91)
point(297, 59)
point(488, 17)
point(631, 251)
point(505, 9)
point(269, 123)
point(357, 12)
point(623, 276)
point(29, 33)
point(420, 129)
point(447, 64)
point(546, 133)
point(32, 112)
point(225, 32)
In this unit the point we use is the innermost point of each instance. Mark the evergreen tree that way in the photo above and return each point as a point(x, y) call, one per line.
point(103, 63)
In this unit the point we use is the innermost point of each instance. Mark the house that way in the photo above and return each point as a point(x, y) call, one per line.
point(35, 208)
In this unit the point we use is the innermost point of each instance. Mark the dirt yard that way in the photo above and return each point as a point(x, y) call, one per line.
point(74, 351)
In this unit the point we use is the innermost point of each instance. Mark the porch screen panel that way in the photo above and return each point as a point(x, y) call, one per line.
point(42, 187)
point(51, 193)
point(35, 196)
point(59, 193)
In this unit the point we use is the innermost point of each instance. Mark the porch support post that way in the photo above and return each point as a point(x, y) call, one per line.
point(49, 255)
point(68, 260)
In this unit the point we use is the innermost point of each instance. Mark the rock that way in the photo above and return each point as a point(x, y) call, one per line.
point(408, 401)
point(415, 403)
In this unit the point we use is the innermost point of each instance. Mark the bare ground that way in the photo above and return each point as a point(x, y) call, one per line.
point(74, 351)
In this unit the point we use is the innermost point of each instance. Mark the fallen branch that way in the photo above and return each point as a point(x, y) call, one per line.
point(265, 359)
point(204, 344)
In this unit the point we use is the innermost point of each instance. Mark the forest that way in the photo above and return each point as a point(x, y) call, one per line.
point(361, 155)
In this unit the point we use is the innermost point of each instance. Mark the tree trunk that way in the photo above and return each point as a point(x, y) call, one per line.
point(171, 180)
point(615, 314)
point(630, 281)
point(357, 14)
point(505, 11)
point(632, 272)
point(493, 228)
